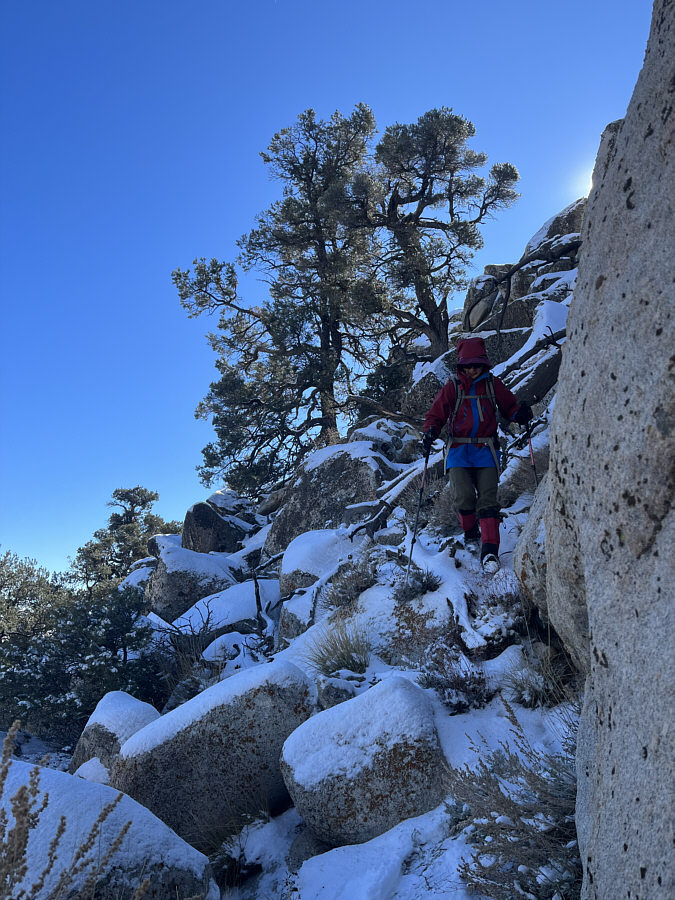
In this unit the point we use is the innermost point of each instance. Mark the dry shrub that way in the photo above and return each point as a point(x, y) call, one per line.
point(348, 585)
point(419, 582)
point(548, 678)
point(520, 803)
point(410, 497)
point(521, 479)
point(339, 646)
point(443, 516)
point(89, 861)
point(459, 684)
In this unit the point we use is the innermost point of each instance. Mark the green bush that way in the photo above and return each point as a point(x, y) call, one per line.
point(54, 670)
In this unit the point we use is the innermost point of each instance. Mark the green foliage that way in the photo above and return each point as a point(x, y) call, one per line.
point(25, 589)
point(360, 256)
point(112, 551)
point(286, 365)
point(54, 672)
point(426, 201)
point(66, 640)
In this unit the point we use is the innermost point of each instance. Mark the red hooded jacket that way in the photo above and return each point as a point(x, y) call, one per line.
point(467, 422)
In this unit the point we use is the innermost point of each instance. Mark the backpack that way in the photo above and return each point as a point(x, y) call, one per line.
point(460, 398)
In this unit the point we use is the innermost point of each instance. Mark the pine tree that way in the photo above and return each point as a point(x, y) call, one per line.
point(108, 556)
point(287, 365)
point(426, 201)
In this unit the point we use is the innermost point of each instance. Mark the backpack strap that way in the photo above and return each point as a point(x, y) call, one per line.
point(460, 398)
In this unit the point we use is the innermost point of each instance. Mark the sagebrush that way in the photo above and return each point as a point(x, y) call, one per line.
point(349, 583)
point(520, 803)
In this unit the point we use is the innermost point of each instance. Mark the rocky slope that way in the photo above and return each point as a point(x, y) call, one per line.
point(319, 680)
point(337, 717)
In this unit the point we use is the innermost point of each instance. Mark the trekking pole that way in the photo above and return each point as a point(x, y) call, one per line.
point(534, 468)
point(417, 514)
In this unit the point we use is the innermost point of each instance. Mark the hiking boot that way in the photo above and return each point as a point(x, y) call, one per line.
point(472, 538)
point(490, 563)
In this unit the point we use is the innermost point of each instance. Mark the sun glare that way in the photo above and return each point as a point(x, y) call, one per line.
point(582, 181)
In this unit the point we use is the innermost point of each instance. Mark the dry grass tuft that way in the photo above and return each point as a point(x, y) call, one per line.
point(339, 646)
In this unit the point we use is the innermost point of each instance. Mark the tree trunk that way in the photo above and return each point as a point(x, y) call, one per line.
point(436, 314)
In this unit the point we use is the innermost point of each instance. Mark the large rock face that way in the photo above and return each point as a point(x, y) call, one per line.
point(148, 850)
point(330, 479)
point(358, 769)
point(529, 558)
point(610, 519)
point(215, 758)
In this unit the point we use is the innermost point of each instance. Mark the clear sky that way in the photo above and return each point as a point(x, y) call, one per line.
point(130, 134)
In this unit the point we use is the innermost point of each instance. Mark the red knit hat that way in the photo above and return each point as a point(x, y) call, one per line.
point(471, 351)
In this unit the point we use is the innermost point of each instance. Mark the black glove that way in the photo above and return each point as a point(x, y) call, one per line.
point(524, 414)
point(428, 438)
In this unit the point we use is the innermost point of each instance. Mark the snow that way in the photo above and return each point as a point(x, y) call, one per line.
point(204, 566)
point(314, 552)
point(540, 235)
point(234, 604)
point(279, 672)
point(94, 770)
point(549, 315)
point(344, 739)
point(437, 368)
point(227, 501)
point(361, 450)
point(142, 563)
point(301, 605)
point(148, 840)
point(137, 578)
point(225, 647)
point(384, 867)
point(461, 734)
point(122, 714)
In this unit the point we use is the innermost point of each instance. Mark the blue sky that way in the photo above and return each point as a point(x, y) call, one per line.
point(129, 144)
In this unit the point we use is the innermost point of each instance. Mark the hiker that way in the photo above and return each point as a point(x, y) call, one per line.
point(466, 404)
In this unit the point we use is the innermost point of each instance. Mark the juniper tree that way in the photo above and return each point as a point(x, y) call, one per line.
point(66, 639)
point(108, 556)
point(426, 199)
point(287, 364)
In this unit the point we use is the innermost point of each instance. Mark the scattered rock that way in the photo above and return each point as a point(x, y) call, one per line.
point(329, 480)
point(117, 716)
point(204, 765)
point(358, 769)
point(148, 850)
point(205, 530)
point(397, 441)
point(182, 576)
